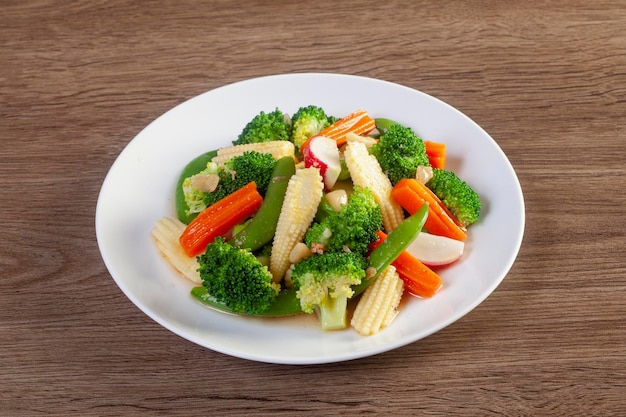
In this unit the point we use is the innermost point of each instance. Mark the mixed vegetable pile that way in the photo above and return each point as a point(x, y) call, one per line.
point(311, 212)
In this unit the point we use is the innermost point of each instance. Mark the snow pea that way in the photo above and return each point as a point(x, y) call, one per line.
point(382, 125)
point(261, 229)
point(285, 303)
point(344, 174)
point(193, 167)
point(323, 210)
point(396, 242)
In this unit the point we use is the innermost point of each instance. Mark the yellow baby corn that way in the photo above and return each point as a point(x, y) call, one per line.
point(378, 305)
point(278, 149)
point(304, 192)
point(165, 233)
point(366, 172)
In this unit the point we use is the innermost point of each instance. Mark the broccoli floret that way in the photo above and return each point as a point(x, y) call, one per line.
point(308, 121)
point(235, 277)
point(462, 201)
point(239, 171)
point(352, 228)
point(324, 283)
point(252, 166)
point(265, 127)
point(399, 152)
point(194, 198)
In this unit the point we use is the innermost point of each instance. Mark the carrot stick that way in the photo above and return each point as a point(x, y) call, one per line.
point(358, 122)
point(436, 153)
point(411, 194)
point(418, 278)
point(219, 218)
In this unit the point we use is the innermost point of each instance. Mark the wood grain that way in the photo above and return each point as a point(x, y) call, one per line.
point(546, 79)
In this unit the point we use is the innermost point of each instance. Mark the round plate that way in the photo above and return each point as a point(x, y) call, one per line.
point(139, 189)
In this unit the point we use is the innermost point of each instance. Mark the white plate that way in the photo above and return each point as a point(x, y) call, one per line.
point(139, 189)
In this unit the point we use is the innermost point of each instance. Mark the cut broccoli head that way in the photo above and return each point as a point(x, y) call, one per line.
point(241, 170)
point(353, 228)
point(194, 198)
point(462, 201)
point(265, 127)
point(324, 282)
point(237, 172)
point(399, 152)
point(252, 166)
point(306, 122)
point(235, 277)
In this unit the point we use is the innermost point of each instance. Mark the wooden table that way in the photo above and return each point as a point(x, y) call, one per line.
point(547, 80)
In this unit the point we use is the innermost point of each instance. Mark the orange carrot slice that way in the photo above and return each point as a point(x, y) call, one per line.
point(219, 218)
point(411, 194)
point(358, 122)
point(436, 153)
point(418, 278)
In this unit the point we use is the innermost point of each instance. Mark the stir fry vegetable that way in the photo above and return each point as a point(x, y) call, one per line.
point(284, 222)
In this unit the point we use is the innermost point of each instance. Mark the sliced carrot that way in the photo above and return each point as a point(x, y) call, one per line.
point(217, 219)
point(411, 194)
point(436, 153)
point(358, 122)
point(418, 278)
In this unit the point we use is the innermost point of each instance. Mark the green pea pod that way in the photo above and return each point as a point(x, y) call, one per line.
point(323, 210)
point(261, 229)
point(193, 167)
point(382, 125)
point(344, 174)
point(285, 303)
point(397, 241)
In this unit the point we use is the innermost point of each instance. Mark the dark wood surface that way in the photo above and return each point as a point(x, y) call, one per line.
point(547, 79)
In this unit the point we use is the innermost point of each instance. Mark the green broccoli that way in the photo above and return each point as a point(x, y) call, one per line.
point(265, 127)
point(252, 166)
point(194, 198)
point(353, 228)
point(462, 201)
point(235, 277)
point(324, 283)
point(308, 121)
point(399, 152)
point(239, 171)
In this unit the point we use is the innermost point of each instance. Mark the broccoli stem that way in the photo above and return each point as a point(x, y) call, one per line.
point(332, 313)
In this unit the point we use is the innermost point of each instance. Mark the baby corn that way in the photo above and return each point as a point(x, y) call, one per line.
point(278, 149)
point(166, 233)
point(378, 305)
point(302, 197)
point(366, 172)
